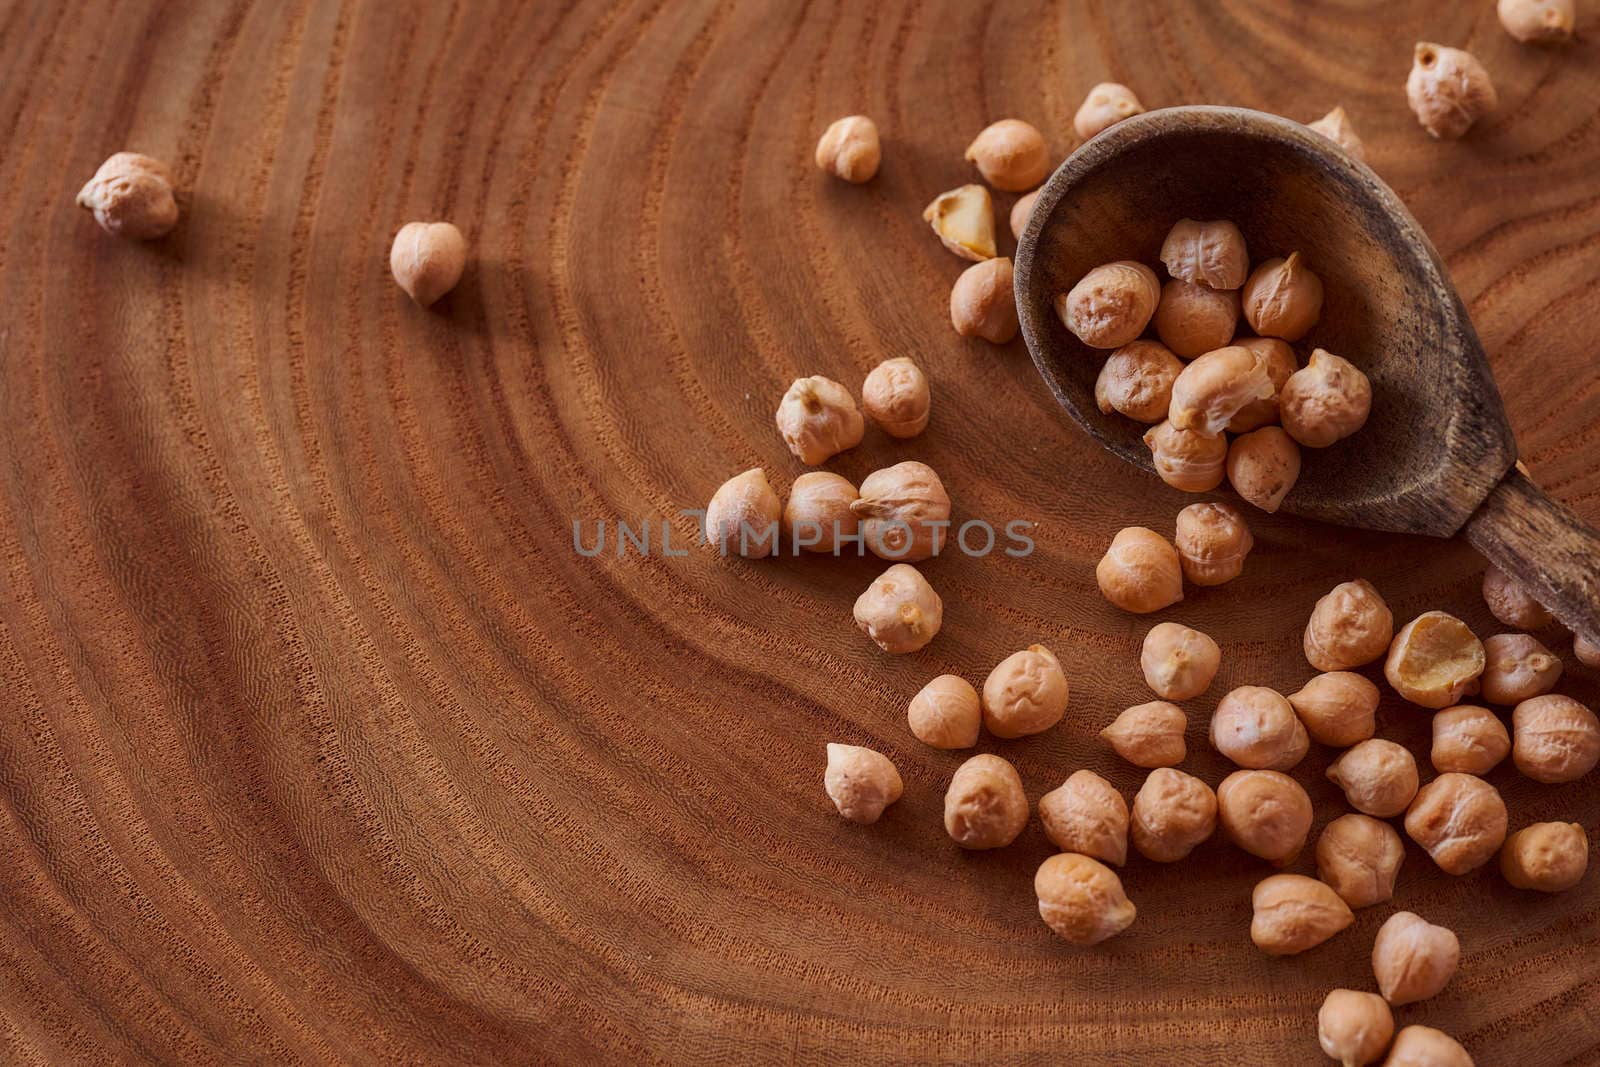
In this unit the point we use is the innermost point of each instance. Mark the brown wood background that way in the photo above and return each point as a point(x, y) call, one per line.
point(320, 743)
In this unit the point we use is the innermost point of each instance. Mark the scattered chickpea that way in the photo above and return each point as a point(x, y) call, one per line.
point(1434, 660)
point(1280, 363)
point(1212, 541)
point(899, 610)
point(1265, 813)
point(1354, 1028)
point(1335, 126)
point(1086, 814)
point(1448, 90)
point(1412, 958)
point(817, 513)
point(1263, 466)
point(131, 196)
point(1215, 387)
point(860, 782)
point(985, 806)
point(427, 260)
point(1423, 1046)
point(1186, 459)
point(1538, 21)
point(1510, 603)
point(818, 419)
point(1149, 735)
point(1554, 739)
point(1208, 253)
point(904, 512)
point(1587, 652)
point(1325, 401)
point(1136, 380)
point(1468, 740)
point(1350, 626)
point(964, 220)
point(1378, 777)
point(1338, 708)
point(1178, 662)
point(1194, 319)
point(896, 397)
point(1011, 155)
point(1282, 298)
point(1021, 211)
point(1256, 728)
point(983, 302)
point(1360, 857)
point(850, 149)
point(1106, 105)
point(1459, 819)
point(743, 516)
point(945, 713)
point(1172, 813)
point(1294, 913)
point(1111, 305)
point(1140, 572)
point(1025, 694)
point(1082, 899)
point(1547, 856)
point(1517, 667)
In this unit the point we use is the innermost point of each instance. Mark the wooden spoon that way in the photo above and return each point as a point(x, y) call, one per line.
point(1437, 455)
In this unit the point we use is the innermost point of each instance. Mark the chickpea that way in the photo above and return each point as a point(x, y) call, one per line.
point(1459, 820)
point(896, 397)
point(1026, 694)
point(817, 514)
point(1423, 1046)
point(850, 149)
point(1172, 813)
point(904, 512)
point(1265, 813)
point(818, 419)
point(1136, 381)
point(1106, 105)
point(1412, 958)
point(1081, 899)
point(1280, 362)
point(1086, 814)
point(1212, 541)
point(1511, 604)
point(131, 196)
point(1282, 298)
point(1206, 253)
point(1350, 626)
point(1187, 459)
point(900, 611)
point(1021, 212)
point(1468, 740)
point(743, 516)
point(1111, 305)
point(985, 806)
point(1547, 856)
point(1325, 401)
point(1434, 660)
point(427, 260)
point(1263, 466)
point(1335, 126)
point(1554, 739)
point(1140, 572)
point(1149, 735)
point(1178, 663)
point(1338, 708)
point(1538, 21)
point(1294, 913)
point(964, 221)
point(1256, 728)
point(860, 782)
point(945, 713)
point(1587, 651)
point(1360, 857)
point(1448, 90)
point(1378, 777)
point(1194, 319)
point(983, 302)
point(1213, 388)
point(1011, 155)
point(1517, 667)
point(1354, 1028)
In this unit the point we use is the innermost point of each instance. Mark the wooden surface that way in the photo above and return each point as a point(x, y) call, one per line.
point(322, 744)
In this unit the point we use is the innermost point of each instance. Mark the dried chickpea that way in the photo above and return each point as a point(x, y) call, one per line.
point(1193, 319)
point(1351, 626)
point(1325, 401)
point(1354, 1028)
point(896, 397)
point(1434, 660)
point(1011, 155)
point(1423, 1046)
point(945, 713)
point(1554, 739)
point(850, 149)
point(1081, 899)
point(1212, 541)
point(1511, 604)
point(1547, 856)
point(131, 196)
point(1178, 663)
point(1468, 740)
point(817, 514)
point(1086, 814)
point(860, 782)
point(743, 516)
point(427, 259)
point(1256, 728)
point(985, 806)
point(1587, 651)
point(1149, 735)
point(1360, 857)
point(1021, 212)
point(1026, 694)
point(1412, 958)
point(1210, 253)
point(1280, 363)
point(1294, 913)
point(1338, 708)
point(1215, 387)
point(1378, 777)
point(1282, 298)
point(1459, 820)
point(1538, 21)
point(1448, 90)
point(818, 419)
point(1517, 667)
point(1111, 305)
point(964, 220)
point(1172, 813)
point(904, 512)
point(1335, 126)
point(983, 302)
point(899, 610)
point(1265, 813)
point(1140, 572)
point(1187, 459)
point(1136, 381)
point(1106, 105)
point(1263, 466)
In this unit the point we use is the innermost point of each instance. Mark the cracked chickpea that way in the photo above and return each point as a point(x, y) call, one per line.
point(983, 302)
point(1469, 740)
point(1293, 913)
point(1517, 667)
point(1282, 298)
point(850, 149)
point(1538, 21)
point(1178, 663)
point(1459, 820)
point(1111, 305)
point(817, 514)
point(1554, 739)
point(1280, 362)
point(1194, 319)
point(1026, 693)
point(1081, 899)
point(1106, 105)
point(1210, 253)
point(131, 196)
point(1338, 708)
point(1086, 814)
point(1215, 387)
point(1353, 1027)
point(1266, 813)
point(1136, 381)
point(1413, 959)
point(1149, 735)
point(1547, 856)
point(1172, 813)
point(1325, 401)
point(818, 419)
point(985, 806)
point(899, 611)
point(1378, 777)
point(1435, 659)
point(1510, 603)
point(896, 397)
point(1011, 155)
point(1360, 857)
point(1335, 126)
point(743, 515)
point(1256, 728)
point(945, 713)
point(1350, 627)
point(1263, 466)
point(904, 512)
point(1423, 1046)
point(1448, 90)
point(1140, 572)
point(860, 782)
point(1187, 459)
point(963, 219)
point(427, 260)
point(1212, 542)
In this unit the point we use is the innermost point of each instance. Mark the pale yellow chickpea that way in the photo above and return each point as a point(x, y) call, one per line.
point(1256, 728)
point(1350, 627)
point(1172, 813)
point(1178, 662)
point(427, 260)
point(743, 516)
point(1266, 813)
point(1336, 127)
point(1213, 388)
point(904, 512)
point(1026, 693)
point(1263, 466)
point(1435, 659)
point(1081, 899)
point(1293, 913)
point(1468, 740)
point(860, 782)
point(1106, 105)
point(985, 806)
point(983, 302)
point(1280, 362)
point(1136, 381)
point(1282, 298)
point(1187, 459)
point(1360, 857)
point(1412, 958)
point(1448, 90)
point(817, 514)
point(131, 196)
point(1517, 667)
point(1378, 777)
point(1212, 542)
point(1111, 305)
point(1194, 319)
point(1338, 708)
point(1140, 572)
point(896, 397)
point(1354, 1028)
point(1149, 735)
point(1538, 21)
point(1021, 212)
point(1586, 651)
point(1086, 814)
point(1325, 401)
point(818, 419)
point(1510, 603)
point(1554, 739)
point(1547, 856)
point(899, 611)
point(1011, 155)
point(1210, 253)
point(850, 149)
point(1459, 820)
point(1423, 1046)
point(945, 713)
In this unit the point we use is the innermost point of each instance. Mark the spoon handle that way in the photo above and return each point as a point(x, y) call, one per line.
point(1544, 547)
